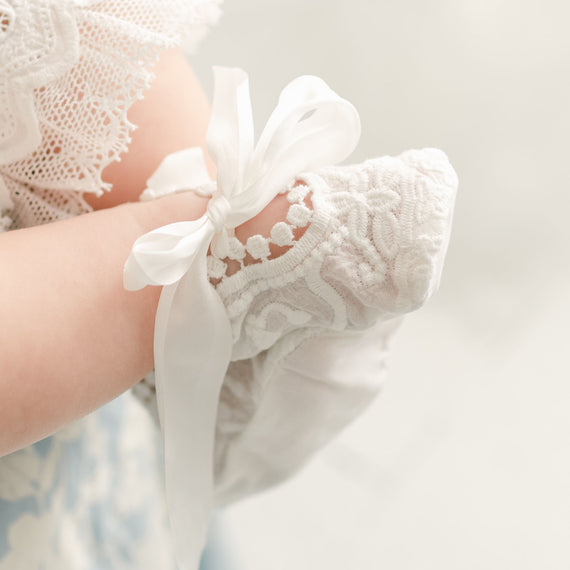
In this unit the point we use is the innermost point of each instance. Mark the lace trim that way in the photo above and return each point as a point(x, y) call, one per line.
point(259, 248)
point(69, 71)
point(374, 247)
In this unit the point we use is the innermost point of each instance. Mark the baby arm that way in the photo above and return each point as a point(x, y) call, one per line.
point(71, 338)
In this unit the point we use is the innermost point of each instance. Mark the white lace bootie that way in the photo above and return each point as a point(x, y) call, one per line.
point(373, 247)
point(312, 327)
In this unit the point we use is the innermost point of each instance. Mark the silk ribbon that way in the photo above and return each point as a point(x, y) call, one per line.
point(311, 127)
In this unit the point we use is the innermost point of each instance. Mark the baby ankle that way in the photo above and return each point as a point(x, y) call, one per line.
point(270, 234)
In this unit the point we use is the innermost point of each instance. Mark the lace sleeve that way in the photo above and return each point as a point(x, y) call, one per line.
point(69, 71)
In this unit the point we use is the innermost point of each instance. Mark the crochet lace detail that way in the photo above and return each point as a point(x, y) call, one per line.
point(69, 71)
point(374, 247)
point(258, 248)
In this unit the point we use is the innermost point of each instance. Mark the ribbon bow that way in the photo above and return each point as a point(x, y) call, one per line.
point(311, 127)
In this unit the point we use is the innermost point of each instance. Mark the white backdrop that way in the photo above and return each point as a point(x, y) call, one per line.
point(463, 463)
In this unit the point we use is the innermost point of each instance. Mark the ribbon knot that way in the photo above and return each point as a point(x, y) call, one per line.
point(311, 127)
point(218, 210)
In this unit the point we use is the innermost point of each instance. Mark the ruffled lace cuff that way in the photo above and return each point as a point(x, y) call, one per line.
point(70, 70)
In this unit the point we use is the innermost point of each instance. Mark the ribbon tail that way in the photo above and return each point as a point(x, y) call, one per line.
point(230, 133)
point(193, 342)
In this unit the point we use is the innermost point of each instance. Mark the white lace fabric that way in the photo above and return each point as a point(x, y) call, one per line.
point(376, 239)
point(373, 250)
point(69, 71)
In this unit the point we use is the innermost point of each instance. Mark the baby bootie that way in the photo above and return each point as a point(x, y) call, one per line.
point(312, 326)
point(373, 247)
point(314, 323)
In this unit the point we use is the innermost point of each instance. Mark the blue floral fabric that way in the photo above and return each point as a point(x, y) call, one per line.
point(88, 498)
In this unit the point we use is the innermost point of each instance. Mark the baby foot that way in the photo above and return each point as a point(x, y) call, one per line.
point(358, 243)
point(277, 409)
point(315, 303)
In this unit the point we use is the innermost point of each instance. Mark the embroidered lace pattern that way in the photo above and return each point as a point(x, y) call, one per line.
point(373, 250)
point(69, 71)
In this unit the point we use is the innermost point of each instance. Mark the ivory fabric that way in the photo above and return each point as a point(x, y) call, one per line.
point(91, 496)
point(312, 327)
